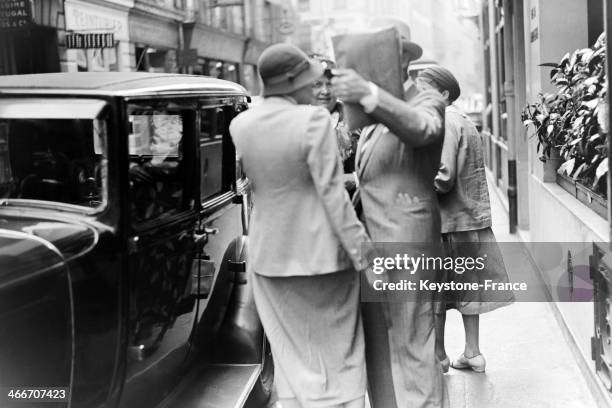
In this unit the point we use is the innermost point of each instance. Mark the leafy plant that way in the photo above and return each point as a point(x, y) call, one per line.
point(571, 120)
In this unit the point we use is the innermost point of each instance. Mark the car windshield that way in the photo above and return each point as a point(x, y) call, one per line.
point(59, 160)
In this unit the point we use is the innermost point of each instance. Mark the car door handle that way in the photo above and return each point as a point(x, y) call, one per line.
point(200, 238)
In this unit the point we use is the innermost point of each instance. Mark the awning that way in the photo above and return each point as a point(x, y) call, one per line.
point(50, 108)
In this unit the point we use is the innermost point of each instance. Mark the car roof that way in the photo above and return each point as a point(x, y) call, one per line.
point(116, 84)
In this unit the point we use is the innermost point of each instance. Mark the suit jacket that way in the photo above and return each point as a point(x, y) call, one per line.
point(396, 165)
point(303, 222)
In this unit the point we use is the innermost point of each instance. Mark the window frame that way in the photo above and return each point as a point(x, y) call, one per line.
point(190, 123)
point(228, 183)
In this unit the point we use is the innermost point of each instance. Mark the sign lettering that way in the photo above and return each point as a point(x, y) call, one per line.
point(15, 13)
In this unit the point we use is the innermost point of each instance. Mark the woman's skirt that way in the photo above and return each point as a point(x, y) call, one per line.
point(474, 244)
point(315, 332)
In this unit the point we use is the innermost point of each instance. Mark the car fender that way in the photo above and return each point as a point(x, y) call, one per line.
point(241, 335)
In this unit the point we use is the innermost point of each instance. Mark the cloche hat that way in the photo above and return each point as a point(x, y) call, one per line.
point(284, 68)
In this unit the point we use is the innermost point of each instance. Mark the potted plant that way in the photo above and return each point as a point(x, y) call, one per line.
point(571, 122)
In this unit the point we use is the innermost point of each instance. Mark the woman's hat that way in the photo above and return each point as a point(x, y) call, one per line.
point(327, 62)
point(442, 79)
point(284, 68)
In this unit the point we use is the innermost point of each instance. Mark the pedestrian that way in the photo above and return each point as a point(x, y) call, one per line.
point(324, 95)
point(397, 160)
point(466, 222)
point(305, 238)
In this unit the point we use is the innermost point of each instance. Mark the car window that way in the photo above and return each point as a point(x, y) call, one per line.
point(216, 152)
point(157, 185)
point(59, 160)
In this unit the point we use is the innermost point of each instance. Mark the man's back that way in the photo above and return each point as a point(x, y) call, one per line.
point(302, 223)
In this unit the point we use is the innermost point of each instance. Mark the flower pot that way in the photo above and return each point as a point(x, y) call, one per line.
point(551, 165)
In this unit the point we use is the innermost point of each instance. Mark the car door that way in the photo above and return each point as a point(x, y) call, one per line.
point(220, 215)
point(161, 247)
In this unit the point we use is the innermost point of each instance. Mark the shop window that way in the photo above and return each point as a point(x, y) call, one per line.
point(150, 59)
point(220, 69)
point(99, 59)
point(141, 58)
point(215, 69)
point(230, 72)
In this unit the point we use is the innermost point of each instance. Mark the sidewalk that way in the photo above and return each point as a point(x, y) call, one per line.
point(529, 363)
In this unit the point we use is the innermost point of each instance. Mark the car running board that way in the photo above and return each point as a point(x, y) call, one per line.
point(215, 386)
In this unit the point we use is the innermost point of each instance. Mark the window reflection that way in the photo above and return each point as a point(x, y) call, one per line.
point(61, 160)
point(155, 147)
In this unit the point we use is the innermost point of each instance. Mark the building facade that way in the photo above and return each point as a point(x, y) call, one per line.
point(32, 34)
point(447, 31)
point(521, 39)
point(100, 17)
point(219, 38)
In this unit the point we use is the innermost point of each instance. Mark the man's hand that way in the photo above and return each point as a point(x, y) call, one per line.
point(350, 181)
point(349, 86)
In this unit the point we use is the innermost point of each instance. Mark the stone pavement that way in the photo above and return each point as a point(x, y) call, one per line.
point(529, 363)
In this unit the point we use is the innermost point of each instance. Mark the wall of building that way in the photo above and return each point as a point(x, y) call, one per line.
point(547, 40)
point(99, 17)
point(33, 42)
point(547, 212)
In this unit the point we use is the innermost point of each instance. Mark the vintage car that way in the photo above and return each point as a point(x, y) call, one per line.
point(123, 221)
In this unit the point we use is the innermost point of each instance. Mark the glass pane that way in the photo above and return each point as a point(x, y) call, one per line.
point(213, 125)
point(155, 146)
point(63, 160)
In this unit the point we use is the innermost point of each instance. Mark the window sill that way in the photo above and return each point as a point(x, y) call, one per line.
point(587, 216)
point(594, 201)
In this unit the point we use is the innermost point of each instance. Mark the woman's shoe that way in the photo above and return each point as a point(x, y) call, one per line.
point(476, 363)
point(445, 364)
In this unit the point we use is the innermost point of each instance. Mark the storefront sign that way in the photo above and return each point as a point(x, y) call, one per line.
point(90, 40)
point(87, 17)
point(214, 44)
point(15, 13)
point(154, 32)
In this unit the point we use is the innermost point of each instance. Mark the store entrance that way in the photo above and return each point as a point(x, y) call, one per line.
point(29, 50)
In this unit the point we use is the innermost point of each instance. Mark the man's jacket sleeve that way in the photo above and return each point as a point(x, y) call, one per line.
point(418, 122)
point(325, 166)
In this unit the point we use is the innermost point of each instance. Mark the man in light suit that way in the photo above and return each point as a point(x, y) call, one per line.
point(305, 239)
point(397, 161)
